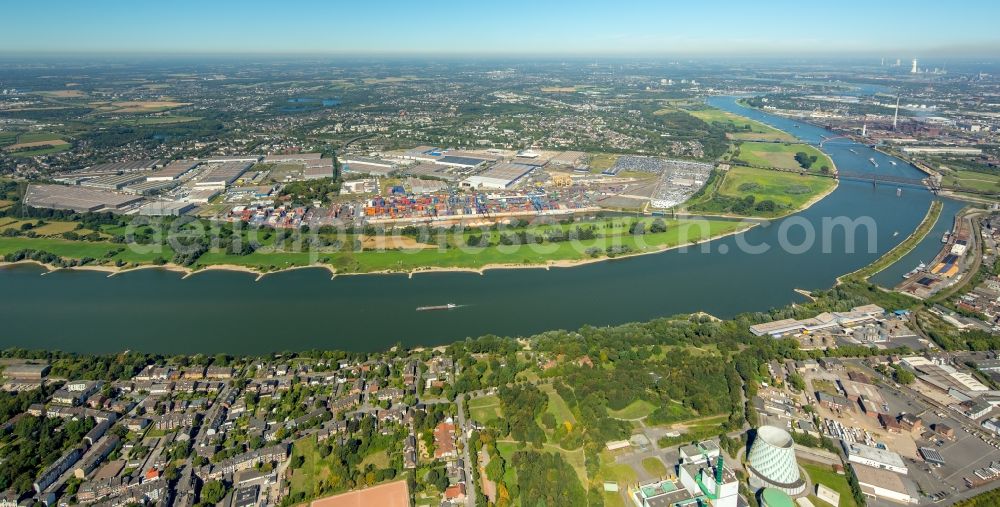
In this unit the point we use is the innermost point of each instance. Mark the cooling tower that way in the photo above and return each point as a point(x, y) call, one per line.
point(772, 462)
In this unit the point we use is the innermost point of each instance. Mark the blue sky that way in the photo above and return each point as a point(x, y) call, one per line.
point(690, 27)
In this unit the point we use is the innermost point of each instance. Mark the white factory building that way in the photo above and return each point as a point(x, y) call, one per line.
point(499, 177)
point(875, 457)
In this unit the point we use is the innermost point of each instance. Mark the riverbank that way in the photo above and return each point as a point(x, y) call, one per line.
point(188, 271)
point(900, 250)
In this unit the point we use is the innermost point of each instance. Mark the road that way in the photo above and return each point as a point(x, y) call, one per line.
point(464, 429)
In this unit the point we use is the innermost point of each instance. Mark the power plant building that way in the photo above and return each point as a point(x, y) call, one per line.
point(704, 484)
point(772, 463)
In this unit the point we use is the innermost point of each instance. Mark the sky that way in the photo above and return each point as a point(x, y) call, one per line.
point(511, 27)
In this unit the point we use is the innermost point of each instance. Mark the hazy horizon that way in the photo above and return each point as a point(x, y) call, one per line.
point(921, 29)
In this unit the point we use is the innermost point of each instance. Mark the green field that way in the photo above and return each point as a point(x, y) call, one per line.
point(781, 156)
point(635, 410)
point(156, 120)
point(602, 161)
point(679, 232)
point(747, 191)
point(485, 408)
point(557, 406)
point(826, 476)
point(971, 180)
point(574, 458)
point(307, 479)
point(741, 128)
point(101, 251)
point(654, 466)
point(45, 150)
point(37, 136)
point(788, 189)
point(378, 460)
point(611, 237)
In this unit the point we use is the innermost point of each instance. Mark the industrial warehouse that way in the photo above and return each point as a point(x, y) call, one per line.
point(500, 176)
point(427, 184)
point(77, 199)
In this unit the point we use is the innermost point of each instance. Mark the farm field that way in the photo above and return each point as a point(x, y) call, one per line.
point(746, 129)
point(781, 156)
point(156, 120)
point(37, 149)
point(146, 106)
point(33, 143)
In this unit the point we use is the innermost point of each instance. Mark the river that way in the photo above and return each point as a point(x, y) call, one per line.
point(156, 311)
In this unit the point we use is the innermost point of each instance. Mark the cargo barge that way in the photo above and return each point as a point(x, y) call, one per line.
point(448, 306)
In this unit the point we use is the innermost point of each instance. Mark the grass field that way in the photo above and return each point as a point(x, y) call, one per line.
point(971, 180)
point(306, 478)
point(621, 474)
point(745, 128)
point(83, 249)
point(602, 161)
point(787, 189)
point(145, 106)
point(557, 406)
point(654, 466)
point(485, 408)
point(156, 120)
point(609, 233)
point(47, 148)
point(49, 229)
point(38, 136)
point(679, 232)
point(635, 410)
point(781, 156)
point(827, 477)
point(378, 459)
point(575, 458)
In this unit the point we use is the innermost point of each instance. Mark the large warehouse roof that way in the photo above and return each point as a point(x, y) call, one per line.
point(76, 198)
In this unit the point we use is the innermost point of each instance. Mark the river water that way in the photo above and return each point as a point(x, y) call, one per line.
point(157, 311)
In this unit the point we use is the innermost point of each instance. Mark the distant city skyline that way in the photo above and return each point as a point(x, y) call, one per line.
point(896, 28)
